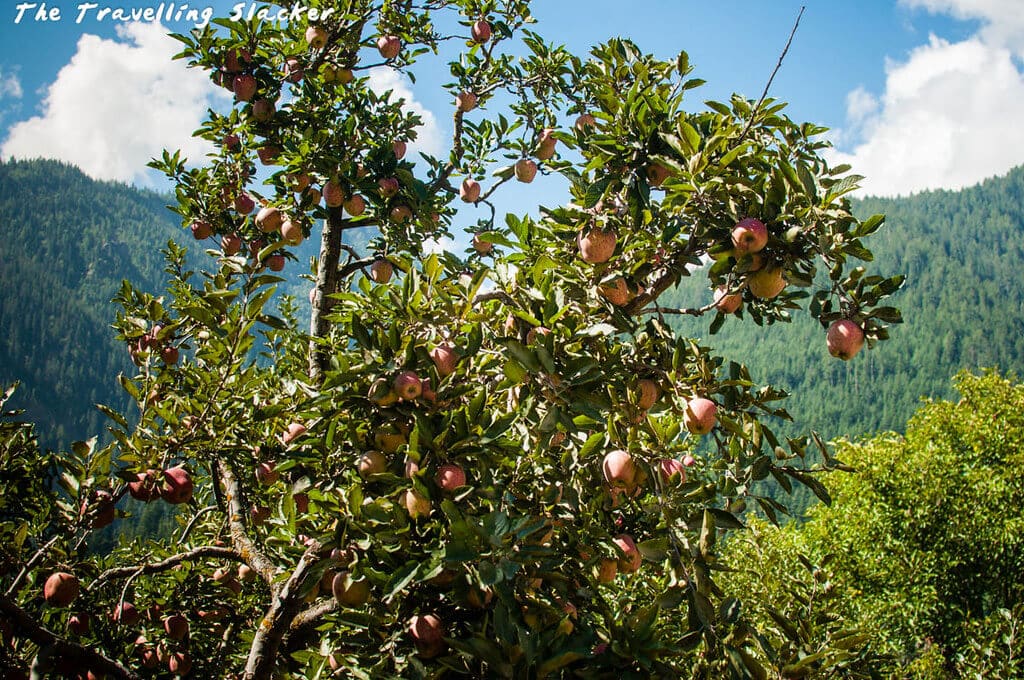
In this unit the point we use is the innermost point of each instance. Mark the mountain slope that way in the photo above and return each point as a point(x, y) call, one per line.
point(963, 307)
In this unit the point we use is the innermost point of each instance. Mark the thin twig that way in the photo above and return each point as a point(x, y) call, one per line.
point(168, 563)
point(764, 94)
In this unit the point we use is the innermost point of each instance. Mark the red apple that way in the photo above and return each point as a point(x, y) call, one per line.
point(631, 558)
point(389, 46)
point(177, 486)
point(258, 514)
point(444, 358)
point(415, 503)
point(232, 142)
point(105, 512)
point(244, 87)
point(619, 469)
point(355, 205)
point(617, 292)
point(293, 69)
point(726, 302)
point(596, 245)
point(169, 354)
point(388, 187)
point(179, 663)
point(584, 121)
point(291, 232)
point(689, 461)
point(176, 626)
point(275, 263)
point(372, 463)
point(545, 149)
point(269, 219)
point(670, 467)
point(607, 569)
point(400, 214)
point(231, 244)
point(125, 614)
point(481, 31)
point(450, 477)
point(293, 432)
point(266, 474)
point(481, 246)
point(245, 573)
point(60, 589)
point(316, 37)
point(349, 591)
point(399, 148)
point(470, 190)
point(381, 270)
point(334, 195)
point(201, 230)
point(407, 385)
point(244, 203)
point(525, 170)
point(749, 236)
point(426, 629)
point(844, 339)
point(766, 283)
point(263, 110)
point(701, 415)
point(78, 623)
point(465, 101)
point(268, 154)
point(649, 392)
point(657, 174)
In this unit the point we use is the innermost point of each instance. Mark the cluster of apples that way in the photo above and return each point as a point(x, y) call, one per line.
point(749, 237)
point(155, 340)
point(174, 485)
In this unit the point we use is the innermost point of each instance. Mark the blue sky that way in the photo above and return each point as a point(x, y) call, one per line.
point(919, 93)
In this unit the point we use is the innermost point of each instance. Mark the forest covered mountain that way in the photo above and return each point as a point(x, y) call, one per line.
point(962, 305)
point(69, 241)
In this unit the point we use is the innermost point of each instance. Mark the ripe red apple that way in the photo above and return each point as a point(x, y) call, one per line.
point(269, 219)
point(399, 148)
point(400, 214)
point(266, 473)
point(263, 110)
point(177, 486)
point(293, 432)
point(275, 263)
point(291, 232)
point(450, 477)
point(649, 392)
point(749, 236)
point(355, 205)
point(407, 385)
point(372, 463)
point(481, 246)
point(584, 121)
point(293, 69)
point(176, 627)
point(245, 573)
point(259, 514)
point(60, 589)
point(244, 204)
point(631, 558)
point(415, 503)
point(844, 339)
point(619, 469)
point(388, 187)
point(766, 283)
point(334, 195)
point(232, 142)
point(169, 355)
point(465, 101)
point(231, 244)
point(701, 415)
point(481, 31)
point(298, 181)
point(235, 59)
point(179, 663)
point(657, 174)
point(470, 190)
point(670, 467)
point(726, 302)
point(268, 154)
point(389, 46)
point(125, 614)
point(596, 245)
point(617, 292)
point(525, 170)
point(316, 37)
point(104, 509)
point(427, 629)
point(349, 591)
point(201, 230)
point(78, 623)
point(445, 358)
point(244, 87)
point(381, 270)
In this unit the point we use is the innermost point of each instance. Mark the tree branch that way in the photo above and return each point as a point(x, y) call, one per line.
point(244, 545)
point(326, 284)
point(59, 647)
point(168, 563)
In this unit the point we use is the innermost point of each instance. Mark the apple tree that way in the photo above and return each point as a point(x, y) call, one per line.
point(502, 462)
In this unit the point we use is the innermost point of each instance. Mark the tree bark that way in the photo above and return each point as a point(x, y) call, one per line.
point(326, 283)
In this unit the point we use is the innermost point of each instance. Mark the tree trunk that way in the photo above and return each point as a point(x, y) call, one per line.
point(326, 283)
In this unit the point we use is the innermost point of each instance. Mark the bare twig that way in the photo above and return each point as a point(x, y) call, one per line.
point(764, 94)
point(247, 549)
point(13, 590)
point(692, 311)
point(168, 563)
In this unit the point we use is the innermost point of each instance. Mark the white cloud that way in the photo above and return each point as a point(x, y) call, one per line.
point(949, 117)
point(1002, 20)
point(116, 105)
point(438, 245)
point(10, 86)
point(428, 138)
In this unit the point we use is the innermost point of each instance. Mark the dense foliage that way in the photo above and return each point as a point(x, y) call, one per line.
point(922, 549)
point(482, 466)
